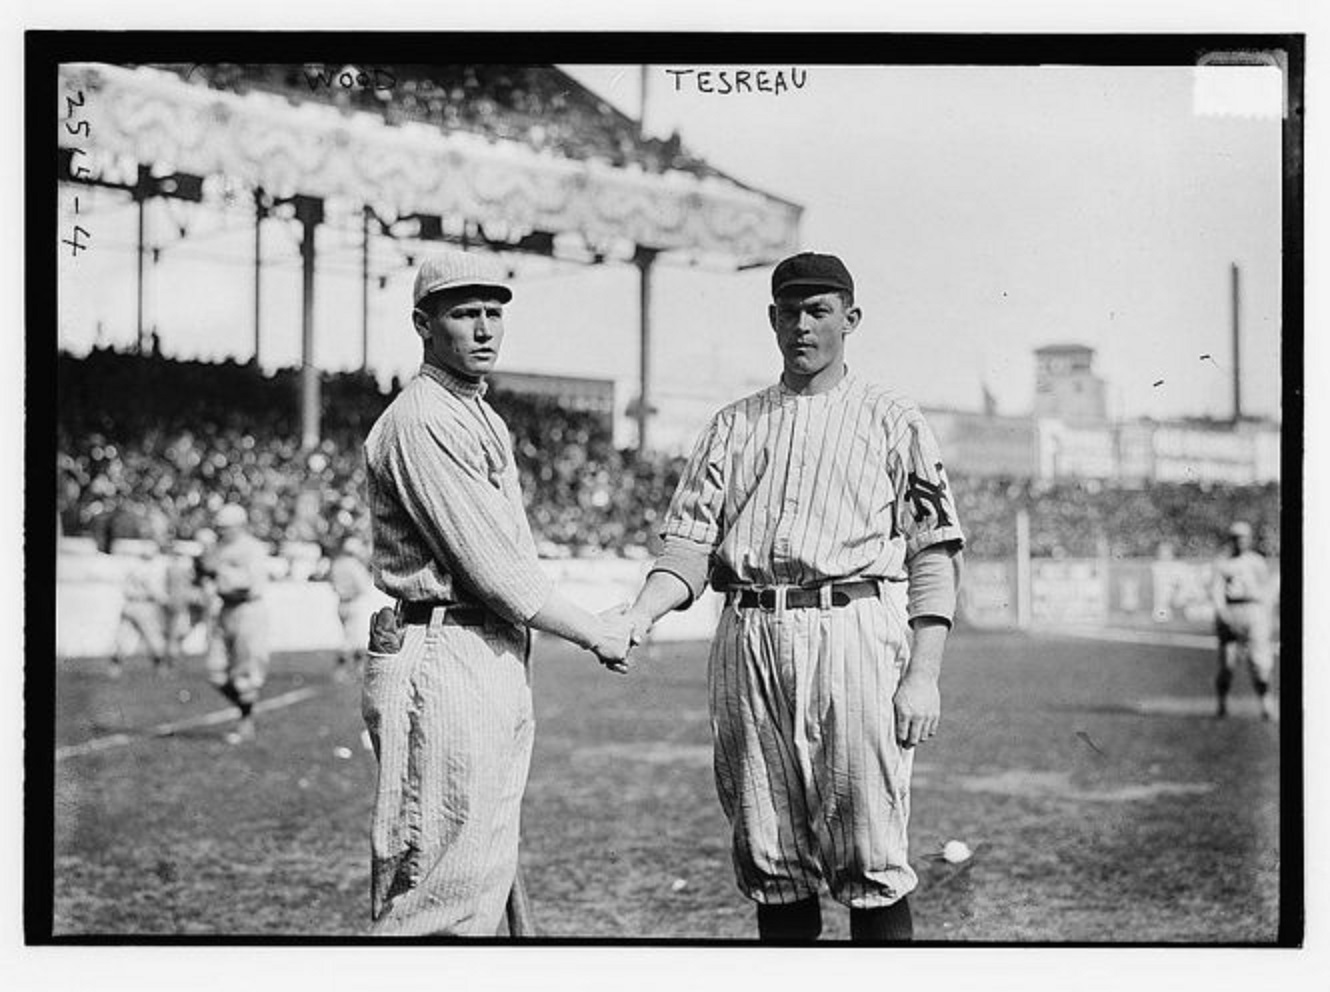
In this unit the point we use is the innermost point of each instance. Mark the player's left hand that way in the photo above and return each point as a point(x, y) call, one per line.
point(918, 706)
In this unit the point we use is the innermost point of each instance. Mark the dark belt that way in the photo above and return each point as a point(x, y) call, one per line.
point(453, 613)
point(799, 598)
point(1238, 602)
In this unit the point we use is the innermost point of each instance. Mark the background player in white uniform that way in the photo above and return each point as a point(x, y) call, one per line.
point(236, 568)
point(447, 691)
point(1241, 593)
point(808, 504)
point(144, 617)
point(351, 580)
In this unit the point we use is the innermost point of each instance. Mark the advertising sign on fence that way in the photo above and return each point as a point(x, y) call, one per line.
point(1068, 591)
point(1131, 590)
point(1182, 591)
point(988, 594)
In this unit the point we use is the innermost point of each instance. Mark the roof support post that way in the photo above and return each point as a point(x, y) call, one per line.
point(309, 211)
point(644, 259)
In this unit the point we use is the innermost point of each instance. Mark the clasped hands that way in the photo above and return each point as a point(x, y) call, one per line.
point(621, 630)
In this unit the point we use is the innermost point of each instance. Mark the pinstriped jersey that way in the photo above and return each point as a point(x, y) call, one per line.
point(445, 501)
point(788, 489)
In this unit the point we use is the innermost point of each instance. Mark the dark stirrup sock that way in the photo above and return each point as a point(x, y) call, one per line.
point(791, 922)
point(884, 925)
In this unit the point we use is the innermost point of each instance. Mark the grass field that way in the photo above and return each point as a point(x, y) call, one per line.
point(1103, 802)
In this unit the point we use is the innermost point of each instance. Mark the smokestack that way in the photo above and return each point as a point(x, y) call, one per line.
point(1237, 350)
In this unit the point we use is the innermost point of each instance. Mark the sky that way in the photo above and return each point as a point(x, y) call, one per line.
point(985, 211)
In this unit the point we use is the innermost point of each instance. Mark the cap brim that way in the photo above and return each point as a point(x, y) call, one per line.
point(502, 292)
point(812, 284)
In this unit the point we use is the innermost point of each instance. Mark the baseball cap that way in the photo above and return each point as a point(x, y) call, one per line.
point(1240, 528)
point(231, 516)
point(454, 270)
point(811, 269)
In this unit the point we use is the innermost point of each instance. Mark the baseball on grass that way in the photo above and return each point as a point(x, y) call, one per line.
point(955, 852)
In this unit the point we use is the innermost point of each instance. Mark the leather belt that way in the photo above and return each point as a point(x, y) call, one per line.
point(1238, 601)
point(456, 614)
point(800, 598)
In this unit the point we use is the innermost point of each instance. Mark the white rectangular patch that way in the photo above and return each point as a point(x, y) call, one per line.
point(1238, 91)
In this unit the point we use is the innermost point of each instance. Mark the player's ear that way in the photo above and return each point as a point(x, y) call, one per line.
point(853, 314)
point(771, 315)
point(420, 320)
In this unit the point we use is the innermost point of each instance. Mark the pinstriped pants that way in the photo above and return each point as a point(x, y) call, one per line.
point(450, 719)
point(808, 769)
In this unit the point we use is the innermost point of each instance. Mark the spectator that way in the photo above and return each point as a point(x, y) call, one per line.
point(224, 433)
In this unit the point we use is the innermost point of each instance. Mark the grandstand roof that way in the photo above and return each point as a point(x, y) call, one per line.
point(512, 150)
point(1069, 347)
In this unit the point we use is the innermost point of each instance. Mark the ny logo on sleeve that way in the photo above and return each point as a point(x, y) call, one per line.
point(929, 498)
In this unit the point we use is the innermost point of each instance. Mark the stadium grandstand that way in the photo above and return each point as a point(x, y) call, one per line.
point(1123, 516)
point(549, 111)
point(205, 433)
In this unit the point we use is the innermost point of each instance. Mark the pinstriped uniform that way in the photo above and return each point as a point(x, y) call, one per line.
point(803, 490)
point(451, 722)
point(450, 714)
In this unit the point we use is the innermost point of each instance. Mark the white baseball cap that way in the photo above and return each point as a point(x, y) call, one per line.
point(455, 270)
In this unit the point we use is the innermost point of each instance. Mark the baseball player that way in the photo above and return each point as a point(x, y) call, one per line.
point(236, 569)
point(351, 581)
point(820, 508)
point(447, 691)
point(184, 599)
point(144, 616)
point(1240, 591)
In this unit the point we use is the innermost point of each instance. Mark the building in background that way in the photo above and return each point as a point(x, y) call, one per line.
point(1070, 436)
point(1065, 384)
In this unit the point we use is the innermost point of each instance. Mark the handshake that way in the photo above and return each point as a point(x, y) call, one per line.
point(621, 628)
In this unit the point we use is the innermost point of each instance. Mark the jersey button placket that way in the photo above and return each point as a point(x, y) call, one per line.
point(789, 503)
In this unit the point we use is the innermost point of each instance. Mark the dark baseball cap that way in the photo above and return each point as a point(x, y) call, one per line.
point(811, 270)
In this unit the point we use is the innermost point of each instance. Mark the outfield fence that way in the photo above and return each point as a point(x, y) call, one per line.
point(1046, 592)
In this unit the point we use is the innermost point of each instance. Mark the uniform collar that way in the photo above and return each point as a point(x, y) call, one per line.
point(466, 388)
point(785, 391)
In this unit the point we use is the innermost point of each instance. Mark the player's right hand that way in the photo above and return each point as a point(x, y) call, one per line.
point(615, 640)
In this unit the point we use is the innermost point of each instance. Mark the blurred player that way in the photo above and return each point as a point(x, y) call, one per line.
point(1240, 592)
point(352, 582)
point(184, 599)
point(801, 503)
point(447, 688)
point(236, 568)
point(144, 615)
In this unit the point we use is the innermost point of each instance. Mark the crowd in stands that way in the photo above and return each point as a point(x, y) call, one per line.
point(1088, 518)
point(151, 447)
point(539, 106)
point(199, 434)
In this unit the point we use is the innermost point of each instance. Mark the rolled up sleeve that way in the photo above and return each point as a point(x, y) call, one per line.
point(689, 562)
